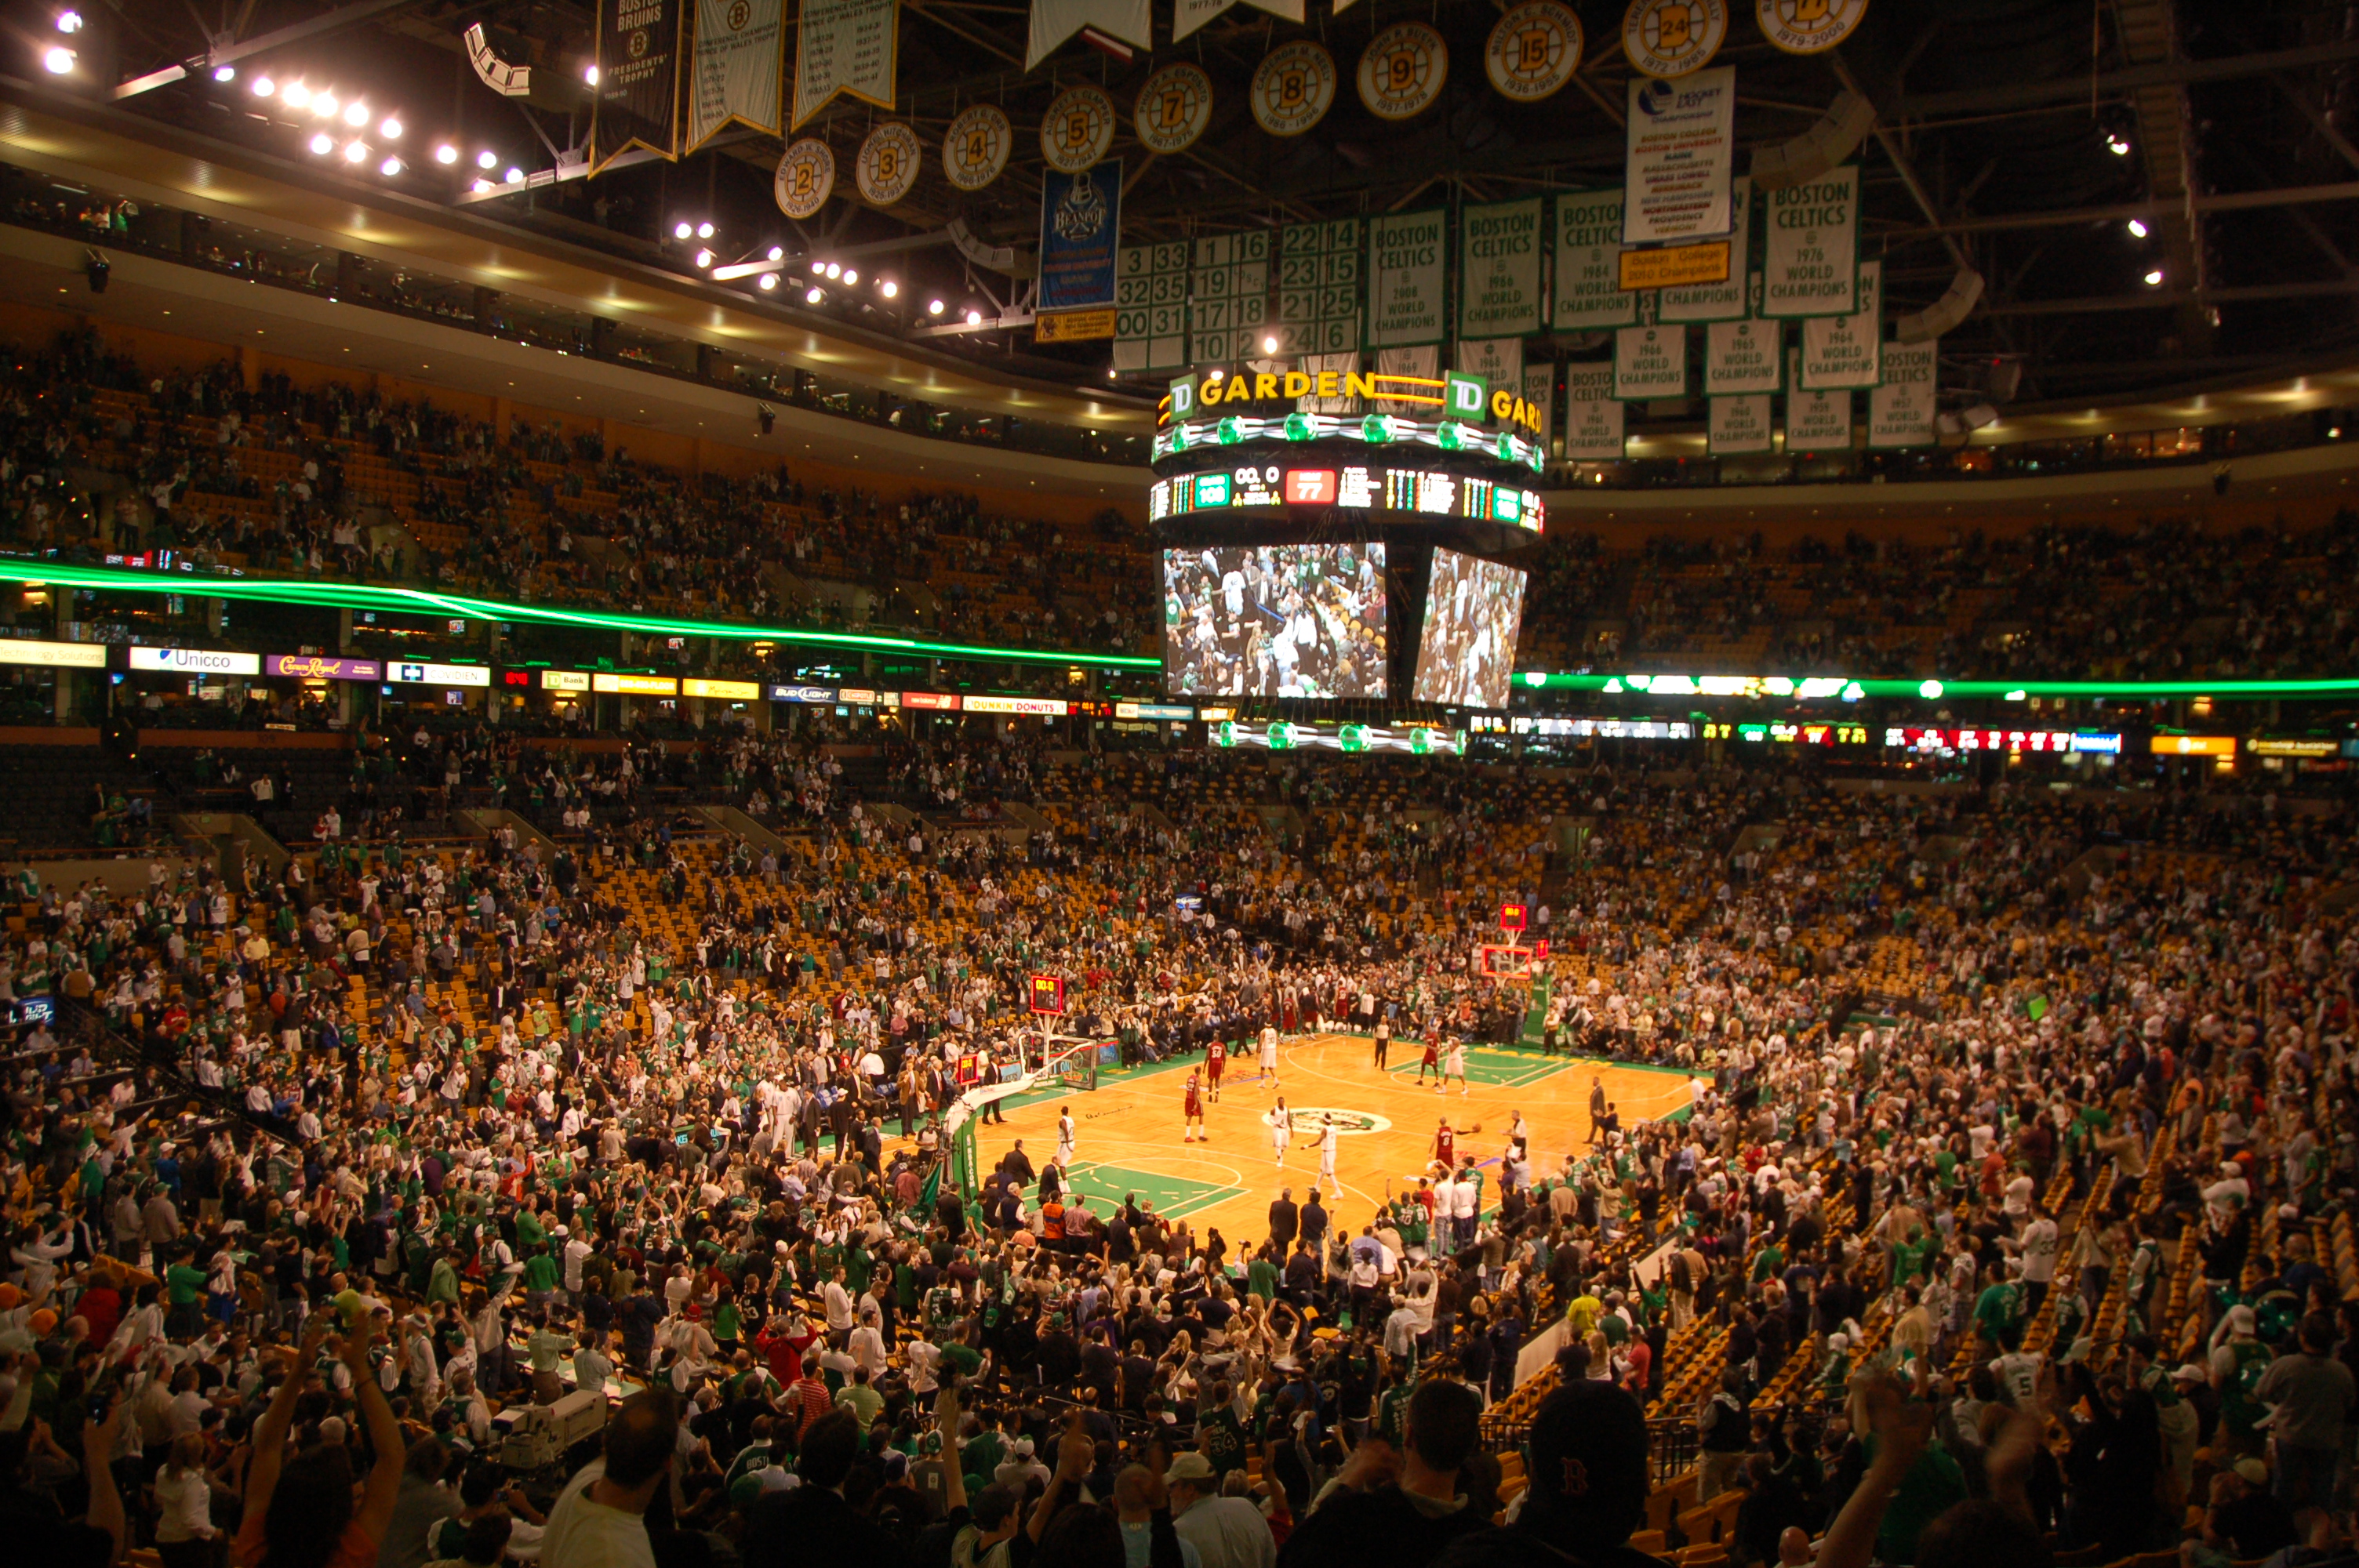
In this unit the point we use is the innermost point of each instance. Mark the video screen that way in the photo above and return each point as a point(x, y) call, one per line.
point(1473, 614)
point(1275, 620)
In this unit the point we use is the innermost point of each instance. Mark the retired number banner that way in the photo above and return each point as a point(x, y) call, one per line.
point(845, 45)
point(638, 80)
point(740, 54)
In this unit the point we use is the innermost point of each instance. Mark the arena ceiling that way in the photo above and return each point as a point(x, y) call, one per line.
point(2028, 139)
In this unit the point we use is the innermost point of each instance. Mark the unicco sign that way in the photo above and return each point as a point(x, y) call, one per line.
point(195, 661)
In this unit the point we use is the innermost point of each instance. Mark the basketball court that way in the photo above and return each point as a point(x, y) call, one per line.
point(1128, 1132)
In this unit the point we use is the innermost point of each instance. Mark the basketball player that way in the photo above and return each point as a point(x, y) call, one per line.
point(1456, 1068)
point(1281, 1130)
point(1216, 1057)
point(1192, 1109)
point(1383, 1041)
point(1431, 1062)
point(1269, 1053)
point(1325, 1138)
point(1445, 1146)
point(1065, 1138)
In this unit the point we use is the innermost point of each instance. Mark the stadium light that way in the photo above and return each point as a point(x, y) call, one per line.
point(322, 144)
point(703, 259)
point(225, 73)
point(2119, 145)
point(391, 129)
point(888, 288)
point(295, 96)
point(778, 253)
point(58, 59)
point(325, 103)
point(974, 317)
point(589, 73)
point(2153, 278)
point(682, 230)
point(356, 152)
point(446, 154)
point(356, 115)
point(850, 276)
point(813, 296)
point(487, 159)
point(263, 87)
point(515, 175)
point(835, 269)
point(70, 21)
point(389, 167)
point(934, 306)
point(770, 280)
point(705, 230)
point(2137, 228)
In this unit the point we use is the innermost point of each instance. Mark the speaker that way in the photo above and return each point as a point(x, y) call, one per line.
point(1834, 139)
point(1965, 292)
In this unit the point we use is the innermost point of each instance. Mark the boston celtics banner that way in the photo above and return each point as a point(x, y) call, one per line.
point(740, 54)
point(1815, 421)
point(1810, 253)
point(638, 80)
point(1422, 361)
point(1841, 351)
point(1589, 291)
point(1900, 410)
point(1719, 301)
point(1743, 357)
point(1650, 362)
point(1540, 392)
point(1739, 425)
point(1592, 417)
point(1498, 360)
point(845, 45)
point(1408, 301)
point(1054, 21)
point(1499, 269)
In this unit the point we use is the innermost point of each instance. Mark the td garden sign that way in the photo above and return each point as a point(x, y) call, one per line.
point(1468, 399)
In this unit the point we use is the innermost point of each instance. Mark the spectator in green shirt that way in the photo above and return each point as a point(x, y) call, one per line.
point(862, 1400)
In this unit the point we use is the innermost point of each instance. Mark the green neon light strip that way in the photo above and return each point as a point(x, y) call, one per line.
point(2131, 691)
point(359, 596)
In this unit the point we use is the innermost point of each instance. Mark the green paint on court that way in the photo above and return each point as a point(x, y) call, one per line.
point(1175, 1197)
point(1491, 1069)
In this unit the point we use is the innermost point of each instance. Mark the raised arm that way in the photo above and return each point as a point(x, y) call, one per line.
point(270, 1431)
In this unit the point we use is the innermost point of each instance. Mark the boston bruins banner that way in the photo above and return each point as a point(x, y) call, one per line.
point(638, 80)
point(845, 45)
point(740, 54)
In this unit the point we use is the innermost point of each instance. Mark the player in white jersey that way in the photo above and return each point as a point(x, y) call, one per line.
point(1454, 1067)
point(1269, 1051)
point(1281, 1130)
point(1325, 1139)
point(1065, 1139)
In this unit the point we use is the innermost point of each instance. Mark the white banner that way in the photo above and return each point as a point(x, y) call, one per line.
point(1815, 421)
point(1739, 425)
point(739, 61)
point(847, 46)
point(1810, 258)
point(1054, 21)
point(1650, 362)
point(1424, 360)
point(1540, 391)
point(1719, 301)
point(1187, 16)
point(1592, 420)
point(1900, 410)
point(1589, 262)
point(1841, 351)
point(1681, 151)
point(1340, 366)
point(1743, 357)
point(1406, 292)
point(1498, 360)
point(1499, 269)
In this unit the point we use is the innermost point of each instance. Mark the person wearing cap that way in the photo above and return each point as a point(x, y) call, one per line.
point(2239, 1362)
point(1398, 1507)
point(1585, 1460)
point(1227, 1532)
point(2243, 1521)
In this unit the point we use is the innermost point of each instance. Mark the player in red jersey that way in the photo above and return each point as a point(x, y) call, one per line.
point(1215, 1058)
point(1192, 1107)
point(1445, 1146)
point(1431, 1062)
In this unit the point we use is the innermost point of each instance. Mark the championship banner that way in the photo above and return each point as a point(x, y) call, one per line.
point(1810, 256)
point(638, 81)
point(1589, 291)
point(1720, 301)
point(1054, 21)
point(1540, 392)
point(1680, 156)
point(1081, 228)
point(739, 60)
point(1499, 269)
point(1815, 421)
point(1842, 350)
point(1593, 418)
point(1339, 366)
point(1650, 362)
point(1423, 362)
point(1407, 285)
point(1187, 16)
point(1742, 357)
point(1498, 360)
point(845, 45)
point(1739, 425)
point(1900, 410)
